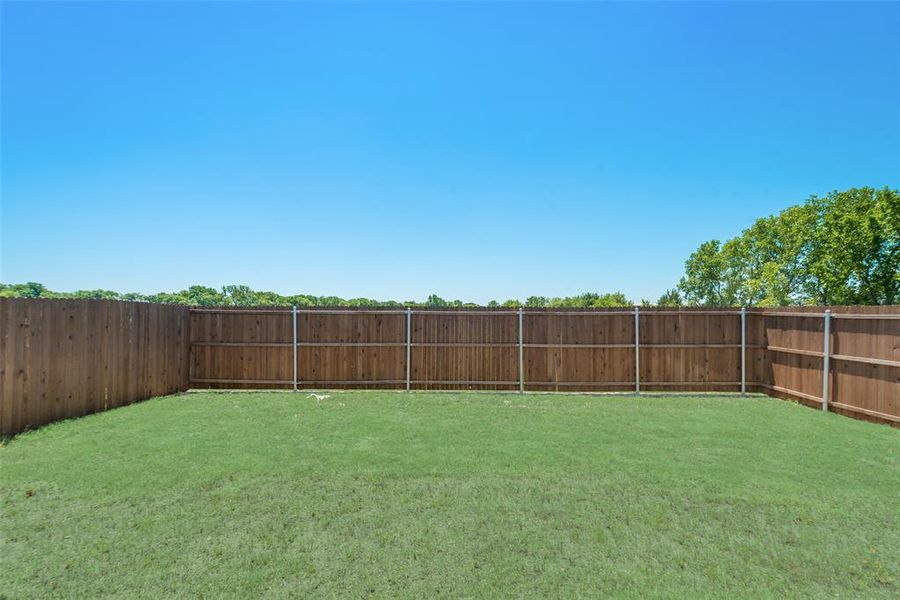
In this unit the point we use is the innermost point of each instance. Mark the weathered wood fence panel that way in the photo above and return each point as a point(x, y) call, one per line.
point(65, 358)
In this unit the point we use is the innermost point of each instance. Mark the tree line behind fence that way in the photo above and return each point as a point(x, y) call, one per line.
point(64, 358)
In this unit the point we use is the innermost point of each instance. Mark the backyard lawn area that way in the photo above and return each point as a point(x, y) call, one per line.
point(384, 494)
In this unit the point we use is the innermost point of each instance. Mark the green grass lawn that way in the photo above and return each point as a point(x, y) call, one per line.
point(420, 495)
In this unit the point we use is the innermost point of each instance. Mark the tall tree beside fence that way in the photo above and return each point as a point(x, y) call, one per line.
point(841, 249)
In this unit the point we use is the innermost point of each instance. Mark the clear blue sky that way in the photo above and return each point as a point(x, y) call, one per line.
point(476, 151)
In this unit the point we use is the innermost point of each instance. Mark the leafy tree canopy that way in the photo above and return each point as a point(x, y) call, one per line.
point(840, 249)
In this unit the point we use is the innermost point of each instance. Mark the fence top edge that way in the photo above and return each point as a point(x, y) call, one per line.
point(111, 301)
point(834, 315)
point(276, 311)
point(817, 314)
point(882, 311)
point(869, 316)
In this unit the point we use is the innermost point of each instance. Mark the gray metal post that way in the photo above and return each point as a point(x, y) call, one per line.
point(637, 350)
point(743, 351)
point(294, 345)
point(521, 352)
point(408, 344)
point(826, 356)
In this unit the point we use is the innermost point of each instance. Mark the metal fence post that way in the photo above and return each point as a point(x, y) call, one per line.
point(521, 352)
point(408, 344)
point(743, 351)
point(826, 356)
point(294, 344)
point(637, 350)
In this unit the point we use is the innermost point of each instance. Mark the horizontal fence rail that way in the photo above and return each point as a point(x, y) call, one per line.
point(62, 358)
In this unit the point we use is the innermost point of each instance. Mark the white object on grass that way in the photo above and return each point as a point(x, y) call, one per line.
point(319, 397)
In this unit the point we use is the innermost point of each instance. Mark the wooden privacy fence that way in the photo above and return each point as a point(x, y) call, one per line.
point(781, 352)
point(846, 359)
point(64, 358)
point(467, 349)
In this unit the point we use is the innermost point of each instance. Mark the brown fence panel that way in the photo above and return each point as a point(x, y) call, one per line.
point(864, 356)
point(690, 350)
point(250, 348)
point(791, 362)
point(464, 349)
point(235, 349)
point(873, 385)
point(578, 350)
point(352, 350)
point(66, 358)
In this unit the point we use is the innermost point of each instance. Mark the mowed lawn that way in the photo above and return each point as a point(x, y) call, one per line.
point(384, 494)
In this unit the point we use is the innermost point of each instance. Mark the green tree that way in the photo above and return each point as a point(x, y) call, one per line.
point(199, 295)
point(24, 290)
point(855, 254)
point(704, 275)
point(841, 249)
point(591, 300)
point(435, 301)
point(670, 298)
point(241, 295)
point(96, 295)
point(536, 301)
point(612, 300)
